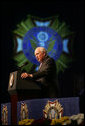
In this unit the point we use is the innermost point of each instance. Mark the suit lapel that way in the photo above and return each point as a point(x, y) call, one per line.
point(43, 63)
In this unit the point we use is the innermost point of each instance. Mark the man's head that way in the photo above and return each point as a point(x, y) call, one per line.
point(40, 53)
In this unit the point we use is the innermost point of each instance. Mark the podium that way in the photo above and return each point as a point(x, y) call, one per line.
point(21, 89)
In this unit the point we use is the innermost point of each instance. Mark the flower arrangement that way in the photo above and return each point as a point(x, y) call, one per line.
point(42, 121)
point(62, 121)
point(26, 122)
point(77, 119)
point(66, 120)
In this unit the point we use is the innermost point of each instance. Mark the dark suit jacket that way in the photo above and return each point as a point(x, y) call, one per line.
point(47, 78)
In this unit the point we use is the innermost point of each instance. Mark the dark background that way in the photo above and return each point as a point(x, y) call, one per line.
point(72, 12)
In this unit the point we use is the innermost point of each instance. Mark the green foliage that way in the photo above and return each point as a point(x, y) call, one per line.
point(61, 28)
point(27, 68)
point(33, 42)
point(63, 63)
point(28, 23)
point(56, 24)
point(20, 59)
point(23, 27)
point(51, 45)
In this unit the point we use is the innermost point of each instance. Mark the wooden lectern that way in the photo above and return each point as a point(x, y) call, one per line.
point(21, 89)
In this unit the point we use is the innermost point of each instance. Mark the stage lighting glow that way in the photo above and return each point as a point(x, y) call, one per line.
point(65, 45)
point(41, 24)
point(19, 44)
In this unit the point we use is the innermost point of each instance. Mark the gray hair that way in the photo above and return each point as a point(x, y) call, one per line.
point(42, 49)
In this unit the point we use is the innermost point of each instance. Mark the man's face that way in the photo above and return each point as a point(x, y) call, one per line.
point(39, 55)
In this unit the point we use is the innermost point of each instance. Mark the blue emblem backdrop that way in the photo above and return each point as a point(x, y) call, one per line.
point(45, 37)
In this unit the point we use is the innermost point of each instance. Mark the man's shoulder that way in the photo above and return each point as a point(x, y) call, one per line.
point(50, 59)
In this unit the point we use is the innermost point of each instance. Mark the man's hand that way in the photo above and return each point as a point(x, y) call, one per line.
point(25, 75)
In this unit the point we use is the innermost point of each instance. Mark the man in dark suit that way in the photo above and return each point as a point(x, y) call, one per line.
point(46, 75)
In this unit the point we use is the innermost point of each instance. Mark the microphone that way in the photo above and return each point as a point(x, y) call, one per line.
point(23, 64)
